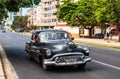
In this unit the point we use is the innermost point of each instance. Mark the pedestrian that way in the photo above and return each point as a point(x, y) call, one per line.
point(36, 39)
point(32, 31)
point(106, 36)
point(110, 36)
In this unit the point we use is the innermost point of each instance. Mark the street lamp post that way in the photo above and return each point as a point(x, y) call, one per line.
point(33, 4)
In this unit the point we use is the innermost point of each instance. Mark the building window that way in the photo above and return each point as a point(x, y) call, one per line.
point(14, 13)
point(53, 20)
point(49, 2)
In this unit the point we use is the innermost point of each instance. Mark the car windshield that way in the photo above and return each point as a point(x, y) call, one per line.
point(53, 36)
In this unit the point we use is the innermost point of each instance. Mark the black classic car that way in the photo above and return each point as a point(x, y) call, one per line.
point(56, 48)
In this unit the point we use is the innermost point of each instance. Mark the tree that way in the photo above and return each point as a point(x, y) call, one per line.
point(83, 13)
point(86, 15)
point(66, 10)
point(20, 22)
point(13, 6)
point(3, 12)
point(114, 13)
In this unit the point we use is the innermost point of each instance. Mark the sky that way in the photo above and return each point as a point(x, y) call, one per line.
point(24, 11)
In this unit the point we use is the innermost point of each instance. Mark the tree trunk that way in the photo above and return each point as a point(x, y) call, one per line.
point(90, 33)
point(90, 30)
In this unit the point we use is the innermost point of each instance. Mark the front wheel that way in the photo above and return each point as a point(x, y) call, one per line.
point(46, 67)
point(82, 66)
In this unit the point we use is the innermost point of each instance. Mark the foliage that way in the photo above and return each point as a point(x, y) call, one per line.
point(13, 6)
point(66, 10)
point(85, 13)
point(20, 22)
point(3, 12)
point(114, 11)
point(33, 27)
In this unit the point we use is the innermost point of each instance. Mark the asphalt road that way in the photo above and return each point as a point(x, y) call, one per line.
point(105, 63)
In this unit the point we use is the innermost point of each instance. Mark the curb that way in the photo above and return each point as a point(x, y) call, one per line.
point(9, 72)
point(99, 41)
point(2, 76)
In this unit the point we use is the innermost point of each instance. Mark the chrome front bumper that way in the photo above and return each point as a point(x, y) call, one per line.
point(52, 62)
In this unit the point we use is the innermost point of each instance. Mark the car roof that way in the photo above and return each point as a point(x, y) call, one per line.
point(49, 30)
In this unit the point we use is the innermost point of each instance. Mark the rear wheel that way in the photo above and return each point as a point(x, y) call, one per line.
point(29, 55)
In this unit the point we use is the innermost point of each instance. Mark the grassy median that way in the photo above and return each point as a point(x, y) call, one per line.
point(98, 45)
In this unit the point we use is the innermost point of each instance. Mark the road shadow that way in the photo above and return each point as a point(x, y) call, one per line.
point(90, 67)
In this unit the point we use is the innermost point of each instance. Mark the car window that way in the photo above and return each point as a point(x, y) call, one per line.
point(53, 36)
point(43, 38)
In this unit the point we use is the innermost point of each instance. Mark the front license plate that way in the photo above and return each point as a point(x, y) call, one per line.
point(70, 60)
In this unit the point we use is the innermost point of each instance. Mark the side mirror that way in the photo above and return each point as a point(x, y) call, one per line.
point(32, 37)
point(33, 41)
point(72, 38)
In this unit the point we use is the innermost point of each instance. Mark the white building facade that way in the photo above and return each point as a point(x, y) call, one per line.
point(50, 13)
point(10, 19)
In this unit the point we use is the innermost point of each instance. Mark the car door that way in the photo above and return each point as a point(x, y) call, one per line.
point(35, 52)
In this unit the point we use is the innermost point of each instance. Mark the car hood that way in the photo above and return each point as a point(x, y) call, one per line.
point(62, 48)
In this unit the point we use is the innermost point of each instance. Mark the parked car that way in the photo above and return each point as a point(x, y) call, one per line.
point(3, 30)
point(99, 36)
point(20, 30)
point(56, 48)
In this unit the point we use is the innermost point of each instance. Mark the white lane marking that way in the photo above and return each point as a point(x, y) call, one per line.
point(112, 66)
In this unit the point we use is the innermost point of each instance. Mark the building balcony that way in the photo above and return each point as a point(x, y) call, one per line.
point(48, 24)
point(56, 3)
point(45, 0)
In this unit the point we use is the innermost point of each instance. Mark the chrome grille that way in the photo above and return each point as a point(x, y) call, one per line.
point(61, 59)
point(70, 57)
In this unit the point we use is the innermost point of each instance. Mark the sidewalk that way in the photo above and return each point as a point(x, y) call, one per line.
point(99, 41)
point(2, 76)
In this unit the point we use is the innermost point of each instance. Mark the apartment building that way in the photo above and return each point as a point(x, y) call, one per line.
point(44, 15)
point(50, 13)
point(35, 16)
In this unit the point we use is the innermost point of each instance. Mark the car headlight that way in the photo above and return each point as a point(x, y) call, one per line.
point(48, 52)
point(87, 51)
